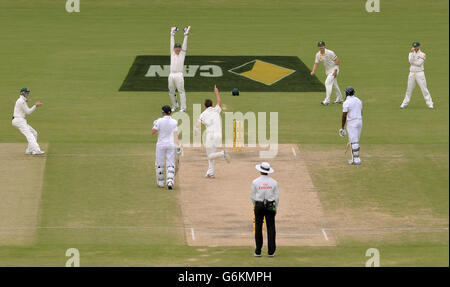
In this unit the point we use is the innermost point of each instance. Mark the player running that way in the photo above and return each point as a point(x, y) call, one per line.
point(352, 114)
point(21, 109)
point(176, 80)
point(416, 74)
point(213, 135)
point(167, 130)
point(331, 64)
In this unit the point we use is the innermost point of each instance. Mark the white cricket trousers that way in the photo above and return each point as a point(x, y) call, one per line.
point(212, 142)
point(418, 77)
point(165, 157)
point(176, 82)
point(354, 128)
point(330, 83)
point(30, 133)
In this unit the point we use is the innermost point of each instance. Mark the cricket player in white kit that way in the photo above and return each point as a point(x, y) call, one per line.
point(352, 114)
point(210, 117)
point(167, 145)
point(331, 64)
point(21, 109)
point(176, 80)
point(416, 74)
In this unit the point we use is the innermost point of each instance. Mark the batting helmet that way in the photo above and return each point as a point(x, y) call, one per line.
point(24, 91)
point(166, 109)
point(349, 91)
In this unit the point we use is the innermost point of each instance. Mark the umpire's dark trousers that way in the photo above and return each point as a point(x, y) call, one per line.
point(260, 213)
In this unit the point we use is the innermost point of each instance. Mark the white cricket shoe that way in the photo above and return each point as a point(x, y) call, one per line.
point(38, 152)
point(226, 156)
point(402, 106)
point(338, 102)
point(209, 176)
point(351, 162)
point(431, 107)
point(324, 103)
point(174, 109)
point(28, 152)
point(256, 255)
point(182, 110)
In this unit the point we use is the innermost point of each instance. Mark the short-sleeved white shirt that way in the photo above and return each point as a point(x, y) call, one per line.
point(353, 107)
point(165, 126)
point(212, 120)
point(327, 59)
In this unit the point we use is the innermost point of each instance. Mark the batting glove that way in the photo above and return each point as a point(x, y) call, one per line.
point(179, 150)
point(186, 30)
point(342, 132)
point(173, 30)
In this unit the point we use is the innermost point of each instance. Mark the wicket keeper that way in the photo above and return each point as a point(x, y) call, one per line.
point(176, 80)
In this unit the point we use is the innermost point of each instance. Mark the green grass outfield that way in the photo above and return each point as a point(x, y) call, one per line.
point(75, 64)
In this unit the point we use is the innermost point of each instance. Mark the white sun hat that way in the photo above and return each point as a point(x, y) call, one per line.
point(264, 167)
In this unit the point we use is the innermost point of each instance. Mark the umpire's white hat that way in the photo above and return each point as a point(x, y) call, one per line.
point(264, 167)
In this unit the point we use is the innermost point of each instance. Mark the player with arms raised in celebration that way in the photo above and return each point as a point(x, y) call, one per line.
point(331, 64)
point(176, 80)
point(213, 136)
point(352, 114)
point(167, 130)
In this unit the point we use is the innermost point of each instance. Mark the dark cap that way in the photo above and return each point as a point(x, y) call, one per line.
point(166, 109)
point(24, 91)
point(349, 91)
point(415, 44)
point(321, 44)
point(177, 45)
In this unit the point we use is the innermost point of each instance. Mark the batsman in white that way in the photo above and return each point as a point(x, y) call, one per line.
point(210, 117)
point(416, 74)
point(352, 114)
point(21, 109)
point(167, 145)
point(176, 80)
point(331, 64)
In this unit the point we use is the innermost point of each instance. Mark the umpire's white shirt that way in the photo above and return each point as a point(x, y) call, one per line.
point(353, 107)
point(265, 188)
point(212, 120)
point(165, 126)
point(416, 59)
point(327, 59)
point(21, 108)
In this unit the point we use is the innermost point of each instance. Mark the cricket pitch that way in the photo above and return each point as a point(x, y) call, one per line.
point(219, 212)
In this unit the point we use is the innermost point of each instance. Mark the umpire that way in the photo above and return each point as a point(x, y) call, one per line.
point(265, 199)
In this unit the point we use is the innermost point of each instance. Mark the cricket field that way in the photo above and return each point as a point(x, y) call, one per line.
point(95, 189)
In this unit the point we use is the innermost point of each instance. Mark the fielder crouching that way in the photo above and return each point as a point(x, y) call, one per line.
point(21, 109)
point(167, 130)
point(352, 115)
point(265, 198)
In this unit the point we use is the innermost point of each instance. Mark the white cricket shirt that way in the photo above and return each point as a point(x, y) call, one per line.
point(212, 120)
point(265, 188)
point(21, 108)
point(353, 107)
point(327, 59)
point(416, 59)
point(165, 126)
